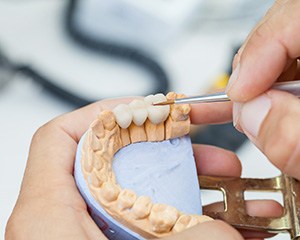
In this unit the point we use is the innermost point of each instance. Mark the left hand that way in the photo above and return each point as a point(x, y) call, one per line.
point(49, 205)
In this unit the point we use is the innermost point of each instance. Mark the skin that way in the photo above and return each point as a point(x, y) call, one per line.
point(271, 53)
point(50, 207)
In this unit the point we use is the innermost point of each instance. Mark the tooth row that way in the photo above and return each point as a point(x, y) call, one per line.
point(139, 110)
point(135, 122)
point(141, 121)
point(158, 219)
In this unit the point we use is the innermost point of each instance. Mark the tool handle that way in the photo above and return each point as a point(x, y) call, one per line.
point(292, 87)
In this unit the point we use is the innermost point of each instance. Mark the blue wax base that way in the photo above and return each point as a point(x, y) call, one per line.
point(164, 171)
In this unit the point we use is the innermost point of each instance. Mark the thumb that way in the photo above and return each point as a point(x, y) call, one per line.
point(271, 121)
point(212, 230)
point(271, 49)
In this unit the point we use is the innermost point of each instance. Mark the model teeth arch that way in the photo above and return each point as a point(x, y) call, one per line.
point(138, 121)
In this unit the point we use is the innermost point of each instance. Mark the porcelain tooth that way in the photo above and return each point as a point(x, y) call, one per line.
point(139, 111)
point(123, 115)
point(157, 114)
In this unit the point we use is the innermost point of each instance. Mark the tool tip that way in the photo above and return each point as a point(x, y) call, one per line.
point(163, 103)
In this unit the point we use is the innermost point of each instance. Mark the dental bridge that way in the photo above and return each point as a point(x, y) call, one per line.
point(140, 121)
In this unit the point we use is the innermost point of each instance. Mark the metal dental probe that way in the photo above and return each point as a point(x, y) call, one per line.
point(292, 87)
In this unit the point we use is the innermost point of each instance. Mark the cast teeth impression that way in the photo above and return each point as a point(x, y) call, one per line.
point(125, 124)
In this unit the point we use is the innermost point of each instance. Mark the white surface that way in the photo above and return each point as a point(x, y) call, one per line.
point(31, 31)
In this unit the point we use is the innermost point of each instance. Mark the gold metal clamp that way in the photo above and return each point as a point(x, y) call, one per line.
point(234, 202)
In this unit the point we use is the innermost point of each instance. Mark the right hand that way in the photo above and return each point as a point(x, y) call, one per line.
point(270, 118)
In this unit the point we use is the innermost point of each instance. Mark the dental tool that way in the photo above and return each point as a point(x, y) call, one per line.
point(292, 87)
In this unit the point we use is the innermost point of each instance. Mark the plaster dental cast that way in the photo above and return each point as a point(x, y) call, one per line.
point(172, 165)
point(50, 206)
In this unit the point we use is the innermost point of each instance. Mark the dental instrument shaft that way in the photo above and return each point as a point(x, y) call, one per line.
point(292, 87)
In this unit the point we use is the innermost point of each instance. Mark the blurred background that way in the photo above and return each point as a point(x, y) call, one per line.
point(57, 55)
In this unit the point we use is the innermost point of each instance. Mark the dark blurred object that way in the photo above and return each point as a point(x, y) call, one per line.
point(223, 135)
point(6, 70)
point(9, 68)
point(114, 49)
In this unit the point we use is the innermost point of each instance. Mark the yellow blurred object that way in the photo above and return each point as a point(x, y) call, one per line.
point(221, 81)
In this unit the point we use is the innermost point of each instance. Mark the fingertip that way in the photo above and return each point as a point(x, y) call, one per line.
point(271, 123)
point(210, 113)
point(264, 208)
point(251, 115)
point(215, 161)
point(258, 69)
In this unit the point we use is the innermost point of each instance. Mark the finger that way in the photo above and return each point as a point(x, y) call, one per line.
point(269, 50)
point(69, 128)
point(211, 113)
point(46, 218)
point(214, 161)
point(276, 6)
point(255, 208)
point(212, 230)
point(271, 121)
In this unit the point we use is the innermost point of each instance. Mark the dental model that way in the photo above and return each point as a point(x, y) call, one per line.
point(139, 121)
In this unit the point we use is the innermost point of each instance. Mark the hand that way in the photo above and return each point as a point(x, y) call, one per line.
point(270, 119)
point(50, 207)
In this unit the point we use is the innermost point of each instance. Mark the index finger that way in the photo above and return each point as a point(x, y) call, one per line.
point(267, 16)
point(270, 49)
point(211, 113)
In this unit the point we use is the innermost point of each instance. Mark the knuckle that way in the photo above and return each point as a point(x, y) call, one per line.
point(265, 30)
point(45, 129)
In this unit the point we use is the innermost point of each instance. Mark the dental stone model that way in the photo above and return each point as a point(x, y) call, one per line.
point(105, 169)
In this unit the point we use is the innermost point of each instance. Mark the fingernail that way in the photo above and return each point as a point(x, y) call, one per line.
point(236, 112)
point(233, 78)
point(252, 114)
